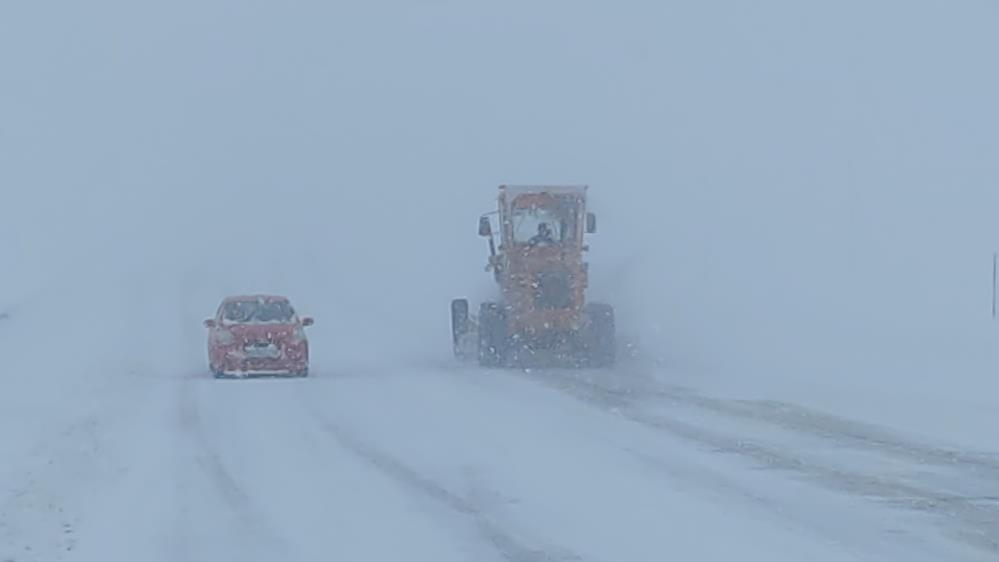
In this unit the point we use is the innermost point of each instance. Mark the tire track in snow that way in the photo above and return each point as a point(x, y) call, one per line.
point(783, 415)
point(842, 430)
point(509, 547)
point(973, 520)
point(263, 542)
point(980, 467)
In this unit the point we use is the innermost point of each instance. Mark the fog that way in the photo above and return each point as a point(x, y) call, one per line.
point(783, 187)
point(797, 209)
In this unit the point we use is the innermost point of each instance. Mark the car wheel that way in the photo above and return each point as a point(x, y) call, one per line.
point(493, 342)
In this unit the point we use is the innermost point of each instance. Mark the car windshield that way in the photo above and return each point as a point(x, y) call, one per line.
point(552, 219)
point(258, 312)
point(537, 225)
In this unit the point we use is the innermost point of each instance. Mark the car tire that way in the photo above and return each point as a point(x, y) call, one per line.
point(600, 341)
point(459, 325)
point(492, 335)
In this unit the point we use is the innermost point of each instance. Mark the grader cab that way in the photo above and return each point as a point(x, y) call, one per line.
point(541, 314)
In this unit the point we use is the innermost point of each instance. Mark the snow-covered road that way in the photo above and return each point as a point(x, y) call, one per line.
point(443, 462)
point(797, 207)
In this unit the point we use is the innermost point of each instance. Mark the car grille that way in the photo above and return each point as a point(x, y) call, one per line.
point(262, 350)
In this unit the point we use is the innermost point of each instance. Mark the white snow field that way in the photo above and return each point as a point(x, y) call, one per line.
point(798, 209)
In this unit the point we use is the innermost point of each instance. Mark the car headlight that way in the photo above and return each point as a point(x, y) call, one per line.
point(224, 337)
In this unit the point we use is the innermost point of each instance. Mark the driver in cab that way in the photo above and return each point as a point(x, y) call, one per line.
point(543, 237)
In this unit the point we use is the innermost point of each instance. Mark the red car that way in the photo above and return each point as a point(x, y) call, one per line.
point(257, 335)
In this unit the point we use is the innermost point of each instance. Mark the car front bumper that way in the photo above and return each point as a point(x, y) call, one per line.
point(261, 373)
point(263, 368)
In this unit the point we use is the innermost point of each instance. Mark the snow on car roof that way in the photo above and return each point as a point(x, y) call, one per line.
point(242, 298)
point(558, 189)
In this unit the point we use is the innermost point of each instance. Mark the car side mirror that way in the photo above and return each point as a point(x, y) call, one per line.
point(308, 321)
point(485, 228)
point(591, 223)
point(209, 323)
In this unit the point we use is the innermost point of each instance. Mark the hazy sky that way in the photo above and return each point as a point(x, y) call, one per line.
point(767, 173)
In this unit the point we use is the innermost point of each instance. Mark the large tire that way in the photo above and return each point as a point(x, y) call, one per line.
point(492, 335)
point(460, 325)
point(601, 336)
